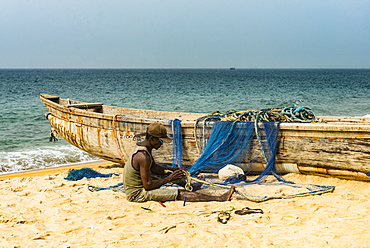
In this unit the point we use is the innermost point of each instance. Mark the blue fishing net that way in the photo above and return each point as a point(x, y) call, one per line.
point(227, 144)
point(75, 175)
point(176, 143)
point(224, 142)
point(231, 142)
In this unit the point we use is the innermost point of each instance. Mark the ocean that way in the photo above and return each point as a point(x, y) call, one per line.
point(24, 131)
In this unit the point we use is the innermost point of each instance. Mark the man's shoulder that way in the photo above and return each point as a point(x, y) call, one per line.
point(141, 154)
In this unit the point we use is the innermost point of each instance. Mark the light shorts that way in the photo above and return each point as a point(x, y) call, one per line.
point(161, 194)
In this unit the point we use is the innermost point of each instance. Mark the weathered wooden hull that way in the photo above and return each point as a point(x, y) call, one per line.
point(337, 147)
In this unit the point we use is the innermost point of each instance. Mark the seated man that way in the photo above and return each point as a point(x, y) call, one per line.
point(139, 184)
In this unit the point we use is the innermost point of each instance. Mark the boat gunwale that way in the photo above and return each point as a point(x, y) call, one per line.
point(82, 112)
point(330, 126)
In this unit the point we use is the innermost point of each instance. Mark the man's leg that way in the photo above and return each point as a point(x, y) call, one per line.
point(198, 197)
point(182, 182)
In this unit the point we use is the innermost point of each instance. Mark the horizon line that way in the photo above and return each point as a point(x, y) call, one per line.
point(185, 68)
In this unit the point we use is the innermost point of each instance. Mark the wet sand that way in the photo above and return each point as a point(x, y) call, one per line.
point(45, 210)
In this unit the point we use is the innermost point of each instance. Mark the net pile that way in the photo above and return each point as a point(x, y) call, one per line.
point(229, 138)
point(288, 114)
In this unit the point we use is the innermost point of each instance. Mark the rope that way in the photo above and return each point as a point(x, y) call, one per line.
point(325, 189)
point(117, 188)
point(189, 178)
point(322, 190)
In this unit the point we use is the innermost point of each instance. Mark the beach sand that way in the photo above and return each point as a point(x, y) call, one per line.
point(45, 210)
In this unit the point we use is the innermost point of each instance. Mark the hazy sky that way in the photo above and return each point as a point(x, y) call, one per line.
point(184, 34)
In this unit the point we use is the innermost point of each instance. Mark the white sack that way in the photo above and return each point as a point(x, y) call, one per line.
point(229, 171)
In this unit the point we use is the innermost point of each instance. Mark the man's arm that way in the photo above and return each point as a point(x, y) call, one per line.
point(143, 160)
point(158, 169)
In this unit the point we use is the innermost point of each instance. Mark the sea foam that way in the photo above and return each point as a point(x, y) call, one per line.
point(42, 157)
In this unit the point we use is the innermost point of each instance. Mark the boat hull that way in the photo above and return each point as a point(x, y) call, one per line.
point(338, 147)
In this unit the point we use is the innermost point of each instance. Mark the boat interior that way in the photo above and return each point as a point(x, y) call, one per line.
point(129, 112)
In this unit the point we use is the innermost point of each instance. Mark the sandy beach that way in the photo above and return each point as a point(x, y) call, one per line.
point(45, 210)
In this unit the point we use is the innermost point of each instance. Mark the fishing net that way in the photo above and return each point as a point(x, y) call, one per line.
point(75, 175)
point(177, 144)
point(230, 139)
point(224, 139)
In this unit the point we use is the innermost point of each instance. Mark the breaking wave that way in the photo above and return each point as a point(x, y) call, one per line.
point(42, 157)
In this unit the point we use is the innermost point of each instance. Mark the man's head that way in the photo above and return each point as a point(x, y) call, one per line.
point(157, 130)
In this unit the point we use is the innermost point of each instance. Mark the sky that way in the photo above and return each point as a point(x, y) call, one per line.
point(184, 34)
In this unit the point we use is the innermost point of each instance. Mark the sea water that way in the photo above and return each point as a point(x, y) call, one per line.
point(24, 131)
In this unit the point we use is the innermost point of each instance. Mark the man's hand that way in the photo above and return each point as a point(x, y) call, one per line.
point(176, 175)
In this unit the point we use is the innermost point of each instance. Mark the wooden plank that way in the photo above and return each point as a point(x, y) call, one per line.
point(85, 105)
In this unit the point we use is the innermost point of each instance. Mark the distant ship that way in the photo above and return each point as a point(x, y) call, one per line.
point(232, 68)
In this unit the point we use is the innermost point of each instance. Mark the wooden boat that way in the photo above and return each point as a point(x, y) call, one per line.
point(337, 146)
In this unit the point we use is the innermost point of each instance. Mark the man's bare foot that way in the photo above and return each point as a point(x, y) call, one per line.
point(227, 196)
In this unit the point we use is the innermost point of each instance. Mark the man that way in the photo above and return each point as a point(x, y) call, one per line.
point(139, 184)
